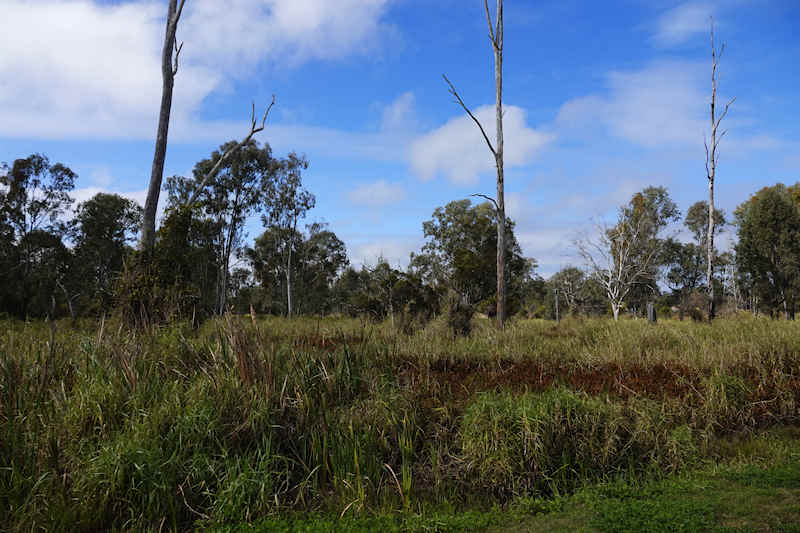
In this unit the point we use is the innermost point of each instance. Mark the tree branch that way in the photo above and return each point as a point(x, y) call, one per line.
point(253, 130)
point(177, 54)
point(464, 106)
point(489, 23)
point(488, 198)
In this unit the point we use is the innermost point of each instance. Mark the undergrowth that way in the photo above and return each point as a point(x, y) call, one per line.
point(242, 420)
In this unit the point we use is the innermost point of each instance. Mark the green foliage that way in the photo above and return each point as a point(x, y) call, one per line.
point(105, 224)
point(769, 246)
point(461, 254)
point(34, 194)
point(318, 258)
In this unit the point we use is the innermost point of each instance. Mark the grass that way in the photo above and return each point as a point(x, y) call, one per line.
point(288, 424)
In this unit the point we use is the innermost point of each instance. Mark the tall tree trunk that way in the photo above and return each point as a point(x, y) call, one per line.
point(168, 71)
point(289, 271)
point(711, 169)
point(497, 45)
point(710, 236)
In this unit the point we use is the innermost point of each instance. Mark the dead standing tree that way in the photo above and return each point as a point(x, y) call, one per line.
point(169, 68)
point(712, 158)
point(496, 38)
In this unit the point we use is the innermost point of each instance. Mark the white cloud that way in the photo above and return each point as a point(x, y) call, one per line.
point(378, 193)
point(79, 68)
point(236, 33)
point(86, 193)
point(663, 103)
point(399, 116)
point(394, 250)
point(681, 23)
point(458, 150)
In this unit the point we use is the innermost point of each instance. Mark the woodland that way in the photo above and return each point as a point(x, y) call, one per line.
point(166, 372)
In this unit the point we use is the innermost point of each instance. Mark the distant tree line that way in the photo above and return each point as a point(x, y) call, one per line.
point(60, 259)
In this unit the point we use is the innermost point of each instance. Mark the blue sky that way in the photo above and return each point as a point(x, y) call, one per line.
point(603, 99)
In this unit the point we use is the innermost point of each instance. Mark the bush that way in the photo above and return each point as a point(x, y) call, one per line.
point(459, 318)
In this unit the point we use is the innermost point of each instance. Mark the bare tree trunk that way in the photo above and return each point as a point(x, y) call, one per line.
point(496, 38)
point(712, 157)
point(289, 271)
point(497, 45)
point(168, 70)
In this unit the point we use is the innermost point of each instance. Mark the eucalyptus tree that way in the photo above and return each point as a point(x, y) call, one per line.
point(287, 203)
point(236, 189)
point(768, 250)
point(625, 256)
point(460, 249)
point(34, 201)
point(104, 227)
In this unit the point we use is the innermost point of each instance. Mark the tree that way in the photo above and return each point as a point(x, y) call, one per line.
point(712, 158)
point(496, 39)
point(696, 221)
point(319, 257)
point(769, 246)
point(229, 195)
point(460, 250)
point(34, 197)
point(685, 263)
point(105, 224)
point(288, 203)
point(169, 68)
point(626, 256)
point(569, 282)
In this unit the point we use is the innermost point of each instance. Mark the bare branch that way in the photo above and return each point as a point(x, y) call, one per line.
point(725, 111)
point(179, 11)
point(705, 144)
point(487, 198)
point(177, 54)
point(489, 23)
point(464, 106)
point(253, 130)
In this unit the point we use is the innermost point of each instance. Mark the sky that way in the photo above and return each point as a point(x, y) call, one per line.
point(601, 100)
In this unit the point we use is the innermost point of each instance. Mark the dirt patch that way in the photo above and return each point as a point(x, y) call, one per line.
point(462, 380)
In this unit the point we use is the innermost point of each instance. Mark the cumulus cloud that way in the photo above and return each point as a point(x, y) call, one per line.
point(679, 24)
point(458, 151)
point(82, 68)
point(378, 193)
point(664, 103)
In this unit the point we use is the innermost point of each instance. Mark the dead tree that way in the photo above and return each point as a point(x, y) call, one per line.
point(712, 158)
point(496, 39)
point(169, 67)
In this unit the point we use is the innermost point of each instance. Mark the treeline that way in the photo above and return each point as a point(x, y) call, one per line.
point(59, 259)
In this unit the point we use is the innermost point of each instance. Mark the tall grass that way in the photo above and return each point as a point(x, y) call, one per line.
point(178, 428)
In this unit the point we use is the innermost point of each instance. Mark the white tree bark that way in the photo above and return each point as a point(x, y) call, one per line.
point(712, 157)
point(496, 40)
point(614, 260)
